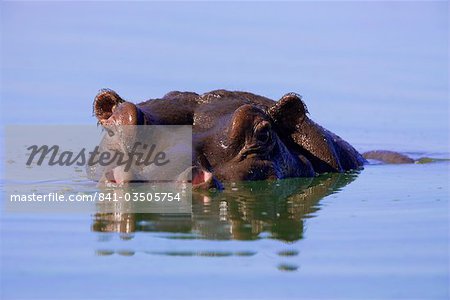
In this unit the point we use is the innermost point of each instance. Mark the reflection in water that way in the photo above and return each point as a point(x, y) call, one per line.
point(287, 267)
point(243, 211)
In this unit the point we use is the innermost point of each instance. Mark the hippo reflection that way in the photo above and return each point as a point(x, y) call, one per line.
point(237, 135)
point(243, 211)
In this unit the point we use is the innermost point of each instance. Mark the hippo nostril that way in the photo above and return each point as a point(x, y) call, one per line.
point(109, 176)
point(109, 131)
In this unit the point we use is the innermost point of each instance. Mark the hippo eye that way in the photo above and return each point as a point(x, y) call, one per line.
point(263, 135)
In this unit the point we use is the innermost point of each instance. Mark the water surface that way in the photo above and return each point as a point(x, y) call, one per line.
point(374, 73)
point(341, 235)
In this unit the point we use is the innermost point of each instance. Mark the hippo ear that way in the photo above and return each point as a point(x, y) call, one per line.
point(105, 104)
point(110, 109)
point(288, 112)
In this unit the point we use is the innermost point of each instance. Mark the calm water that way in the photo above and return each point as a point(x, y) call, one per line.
point(374, 73)
point(382, 233)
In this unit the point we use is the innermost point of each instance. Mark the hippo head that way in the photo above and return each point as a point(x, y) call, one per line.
point(235, 137)
point(254, 144)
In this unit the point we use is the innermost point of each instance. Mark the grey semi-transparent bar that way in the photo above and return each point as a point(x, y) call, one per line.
point(83, 168)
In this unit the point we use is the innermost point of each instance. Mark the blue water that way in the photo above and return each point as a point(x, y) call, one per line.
point(374, 73)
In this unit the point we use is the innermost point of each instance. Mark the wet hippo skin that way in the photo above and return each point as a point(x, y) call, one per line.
point(239, 135)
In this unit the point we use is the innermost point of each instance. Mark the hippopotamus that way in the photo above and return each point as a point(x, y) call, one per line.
point(239, 135)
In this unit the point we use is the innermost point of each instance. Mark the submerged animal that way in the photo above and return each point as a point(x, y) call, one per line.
point(239, 135)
